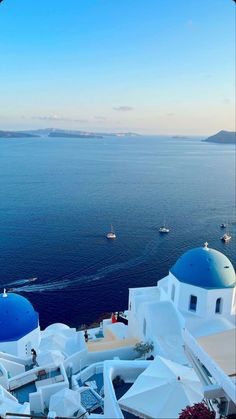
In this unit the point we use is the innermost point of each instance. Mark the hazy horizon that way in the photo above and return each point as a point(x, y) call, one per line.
point(93, 131)
point(151, 67)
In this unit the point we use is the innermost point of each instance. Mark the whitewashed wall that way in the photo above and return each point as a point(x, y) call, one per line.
point(18, 348)
point(206, 299)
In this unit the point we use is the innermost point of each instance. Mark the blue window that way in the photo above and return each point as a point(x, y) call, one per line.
point(144, 327)
point(173, 293)
point(193, 303)
point(218, 305)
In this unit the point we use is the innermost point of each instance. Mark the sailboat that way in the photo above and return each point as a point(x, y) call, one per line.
point(111, 234)
point(226, 237)
point(164, 229)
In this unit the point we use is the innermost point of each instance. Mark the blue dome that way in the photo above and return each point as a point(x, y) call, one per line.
point(205, 268)
point(17, 317)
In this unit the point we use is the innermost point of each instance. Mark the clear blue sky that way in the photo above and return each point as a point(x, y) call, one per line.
point(152, 66)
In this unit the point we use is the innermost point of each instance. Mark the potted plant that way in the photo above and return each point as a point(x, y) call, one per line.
point(197, 411)
point(144, 348)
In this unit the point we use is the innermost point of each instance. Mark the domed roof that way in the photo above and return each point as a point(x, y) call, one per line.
point(205, 268)
point(57, 327)
point(17, 317)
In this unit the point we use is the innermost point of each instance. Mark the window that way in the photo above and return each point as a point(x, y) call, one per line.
point(144, 327)
point(27, 348)
point(218, 305)
point(193, 303)
point(173, 293)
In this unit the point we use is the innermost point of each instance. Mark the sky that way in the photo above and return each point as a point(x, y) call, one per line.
point(147, 66)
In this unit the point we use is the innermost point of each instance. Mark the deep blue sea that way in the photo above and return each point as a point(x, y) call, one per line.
point(58, 197)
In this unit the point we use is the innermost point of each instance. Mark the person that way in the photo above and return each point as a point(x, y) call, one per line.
point(113, 318)
point(34, 356)
point(86, 335)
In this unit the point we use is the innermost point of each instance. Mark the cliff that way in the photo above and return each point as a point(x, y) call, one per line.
point(223, 137)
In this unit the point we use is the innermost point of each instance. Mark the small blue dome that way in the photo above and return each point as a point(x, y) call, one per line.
point(17, 317)
point(205, 268)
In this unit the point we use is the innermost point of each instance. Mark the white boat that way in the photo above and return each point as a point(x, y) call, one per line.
point(111, 234)
point(226, 237)
point(164, 229)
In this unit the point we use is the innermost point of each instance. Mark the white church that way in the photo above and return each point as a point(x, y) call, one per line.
point(187, 322)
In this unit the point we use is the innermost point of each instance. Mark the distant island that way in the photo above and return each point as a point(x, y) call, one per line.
point(16, 134)
point(222, 137)
point(180, 137)
point(71, 135)
point(54, 132)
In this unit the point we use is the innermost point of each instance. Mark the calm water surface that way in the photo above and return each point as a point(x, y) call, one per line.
point(59, 196)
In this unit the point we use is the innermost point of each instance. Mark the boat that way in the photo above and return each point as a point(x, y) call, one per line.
point(164, 229)
point(32, 279)
point(226, 237)
point(111, 234)
point(223, 225)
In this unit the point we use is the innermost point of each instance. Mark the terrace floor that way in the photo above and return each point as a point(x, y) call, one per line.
point(107, 344)
point(22, 393)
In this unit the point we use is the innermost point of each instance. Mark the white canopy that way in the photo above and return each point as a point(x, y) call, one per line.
point(50, 357)
point(66, 402)
point(162, 391)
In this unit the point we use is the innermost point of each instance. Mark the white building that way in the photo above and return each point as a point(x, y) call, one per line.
point(198, 294)
point(190, 318)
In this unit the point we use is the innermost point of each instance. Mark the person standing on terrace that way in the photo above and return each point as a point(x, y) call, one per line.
point(34, 356)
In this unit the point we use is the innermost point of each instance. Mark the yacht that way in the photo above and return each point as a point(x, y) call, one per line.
point(111, 234)
point(226, 237)
point(164, 229)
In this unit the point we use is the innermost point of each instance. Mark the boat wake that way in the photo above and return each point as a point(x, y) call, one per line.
point(21, 281)
point(71, 280)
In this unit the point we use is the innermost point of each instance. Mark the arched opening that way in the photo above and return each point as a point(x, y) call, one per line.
point(173, 292)
point(218, 307)
point(193, 303)
point(144, 327)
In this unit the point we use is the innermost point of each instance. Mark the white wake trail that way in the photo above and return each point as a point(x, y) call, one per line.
point(51, 285)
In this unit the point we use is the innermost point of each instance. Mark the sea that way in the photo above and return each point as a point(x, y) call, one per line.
point(58, 197)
